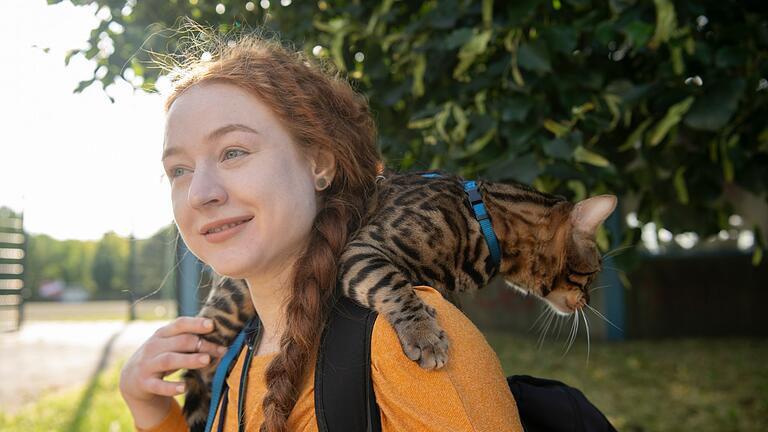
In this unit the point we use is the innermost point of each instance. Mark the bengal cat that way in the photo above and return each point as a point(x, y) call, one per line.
point(422, 231)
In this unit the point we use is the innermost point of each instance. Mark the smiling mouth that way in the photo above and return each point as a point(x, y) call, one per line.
point(227, 226)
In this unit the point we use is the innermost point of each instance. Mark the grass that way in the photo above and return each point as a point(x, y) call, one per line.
point(669, 385)
point(672, 385)
point(95, 407)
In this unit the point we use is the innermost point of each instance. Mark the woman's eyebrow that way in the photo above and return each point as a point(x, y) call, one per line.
point(216, 134)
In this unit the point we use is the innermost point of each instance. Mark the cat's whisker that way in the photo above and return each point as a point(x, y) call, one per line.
point(576, 332)
point(545, 328)
point(543, 323)
point(612, 268)
point(586, 327)
point(598, 288)
point(616, 251)
point(543, 312)
point(561, 321)
point(572, 335)
point(596, 312)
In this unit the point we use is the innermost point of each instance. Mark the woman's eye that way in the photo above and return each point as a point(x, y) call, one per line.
point(175, 172)
point(233, 153)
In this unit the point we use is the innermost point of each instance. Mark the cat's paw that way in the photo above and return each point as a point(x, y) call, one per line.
point(423, 340)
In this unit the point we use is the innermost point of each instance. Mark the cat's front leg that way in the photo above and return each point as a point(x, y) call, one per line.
point(369, 278)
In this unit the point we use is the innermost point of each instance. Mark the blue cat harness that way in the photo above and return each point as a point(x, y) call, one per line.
point(481, 214)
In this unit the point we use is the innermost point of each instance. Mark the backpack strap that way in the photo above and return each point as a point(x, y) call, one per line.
point(344, 398)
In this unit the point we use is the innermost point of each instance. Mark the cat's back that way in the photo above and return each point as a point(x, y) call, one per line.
point(417, 189)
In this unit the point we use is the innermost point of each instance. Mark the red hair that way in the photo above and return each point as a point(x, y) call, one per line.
point(322, 112)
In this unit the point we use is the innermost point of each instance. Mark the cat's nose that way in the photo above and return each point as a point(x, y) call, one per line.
point(575, 300)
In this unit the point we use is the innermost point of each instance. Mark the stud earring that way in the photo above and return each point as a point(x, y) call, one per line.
point(322, 183)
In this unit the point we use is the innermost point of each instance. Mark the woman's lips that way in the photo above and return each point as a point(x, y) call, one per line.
point(226, 234)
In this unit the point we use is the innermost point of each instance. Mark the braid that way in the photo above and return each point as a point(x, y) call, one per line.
point(309, 304)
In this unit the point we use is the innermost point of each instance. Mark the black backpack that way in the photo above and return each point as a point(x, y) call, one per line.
point(345, 401)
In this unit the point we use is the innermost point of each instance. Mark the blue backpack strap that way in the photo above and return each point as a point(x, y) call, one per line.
point(222, 370)
point(344, 397)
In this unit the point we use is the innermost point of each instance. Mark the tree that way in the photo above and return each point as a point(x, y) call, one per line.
point(663, 102)
point(155, 260)
point(109, 269)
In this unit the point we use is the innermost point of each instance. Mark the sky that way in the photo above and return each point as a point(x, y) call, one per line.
point(77, 164)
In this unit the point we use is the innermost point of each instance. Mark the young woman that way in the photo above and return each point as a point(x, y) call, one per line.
point(261, 137)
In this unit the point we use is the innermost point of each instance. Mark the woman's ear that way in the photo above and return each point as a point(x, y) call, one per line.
point(323, 165)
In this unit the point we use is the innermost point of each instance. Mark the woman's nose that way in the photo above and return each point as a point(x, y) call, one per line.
point(205, 189)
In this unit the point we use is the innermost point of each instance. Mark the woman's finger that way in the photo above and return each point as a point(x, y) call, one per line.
point(171, 361)
point(164, 388)
point(198, 325)
point(191, 343)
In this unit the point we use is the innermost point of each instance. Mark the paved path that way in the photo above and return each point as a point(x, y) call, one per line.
point(47, 356)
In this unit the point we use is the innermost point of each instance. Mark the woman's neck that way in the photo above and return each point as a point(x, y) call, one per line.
point(270, 293)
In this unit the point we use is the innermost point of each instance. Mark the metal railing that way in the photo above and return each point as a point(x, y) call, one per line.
point(13, 248)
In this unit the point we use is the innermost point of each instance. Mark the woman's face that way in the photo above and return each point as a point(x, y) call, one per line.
point(229, 158)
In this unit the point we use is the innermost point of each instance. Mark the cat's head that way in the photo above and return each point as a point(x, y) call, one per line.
point(557, 258)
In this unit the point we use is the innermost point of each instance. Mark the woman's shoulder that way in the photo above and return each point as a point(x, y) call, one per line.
point(466, 340)
point(469, 393)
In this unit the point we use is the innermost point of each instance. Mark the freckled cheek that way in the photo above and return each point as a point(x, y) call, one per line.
point(180, 210)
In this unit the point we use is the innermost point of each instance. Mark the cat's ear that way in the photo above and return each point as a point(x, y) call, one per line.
point(588, 214)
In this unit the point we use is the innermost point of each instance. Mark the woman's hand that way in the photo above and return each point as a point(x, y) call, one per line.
point(172, 347)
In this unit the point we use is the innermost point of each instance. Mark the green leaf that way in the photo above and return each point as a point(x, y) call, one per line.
point(534, 57)
point(83, 85)
point(635, 139)
point(473, 48)
point(561, 39)
point(558, 148)
point(479, 143)
point(523, 168)
point(421, 123)
point(419, 66)
point(638, 32)
point(487, 13)
point(725, 156)
point(460, 131)
point(559, 129)
point(457, 38)
point(680, 188)
point(757, 256)
point(516, 109)
point(666, 22)
point(674, 114)
point(586, 156)
point(715, 108)
point(578, 188)
point(68, 56)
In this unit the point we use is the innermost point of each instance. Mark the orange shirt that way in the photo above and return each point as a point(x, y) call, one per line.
point(469, 393)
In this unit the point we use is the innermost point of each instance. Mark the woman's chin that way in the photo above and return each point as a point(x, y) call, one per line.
point(227, 269)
